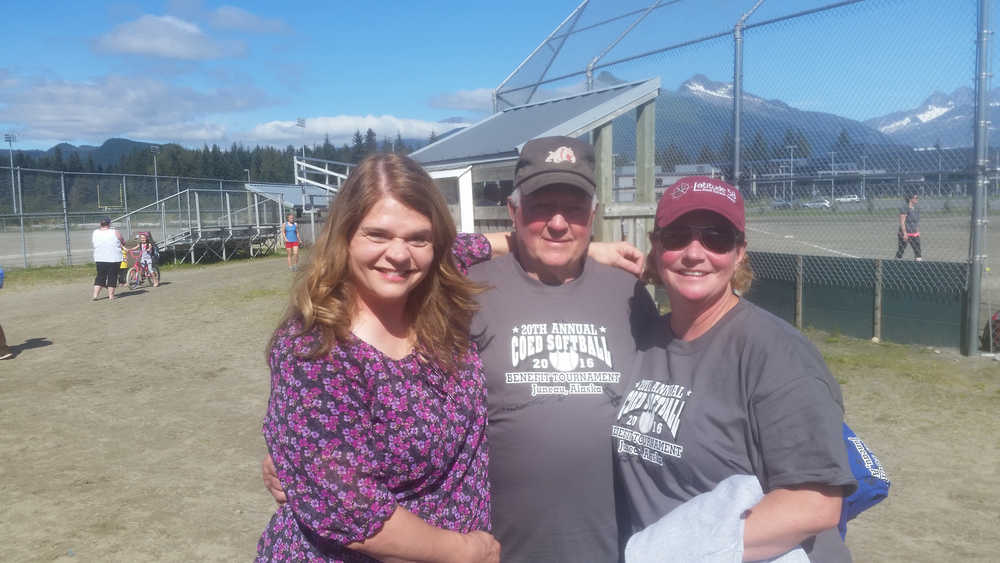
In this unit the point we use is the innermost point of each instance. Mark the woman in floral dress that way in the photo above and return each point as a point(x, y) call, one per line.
point(377, 414)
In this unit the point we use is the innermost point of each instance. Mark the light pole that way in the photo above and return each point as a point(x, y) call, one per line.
point(939, 172)
point(833, 172)
point(156, 179)
point(864, 170)
point(899, 171)
point(9, 138)
point(791, 169)
point(247, 170)
point(301, 122)
point(155, 149)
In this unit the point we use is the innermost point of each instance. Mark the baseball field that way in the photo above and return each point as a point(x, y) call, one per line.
point(131, 429)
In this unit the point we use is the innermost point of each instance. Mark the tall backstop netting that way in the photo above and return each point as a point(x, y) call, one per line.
point(844, 109)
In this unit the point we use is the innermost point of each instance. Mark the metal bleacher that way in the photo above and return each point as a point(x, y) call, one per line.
point(190, 231)
point(197, 224)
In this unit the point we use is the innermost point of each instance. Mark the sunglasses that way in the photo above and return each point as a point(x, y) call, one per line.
point(716, 239)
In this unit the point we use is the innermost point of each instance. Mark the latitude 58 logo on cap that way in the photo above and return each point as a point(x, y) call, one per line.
point(560, 155)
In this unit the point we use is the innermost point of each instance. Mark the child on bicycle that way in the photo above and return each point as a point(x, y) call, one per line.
point(147, 254)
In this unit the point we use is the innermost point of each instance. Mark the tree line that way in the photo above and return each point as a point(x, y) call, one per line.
point(265, 163)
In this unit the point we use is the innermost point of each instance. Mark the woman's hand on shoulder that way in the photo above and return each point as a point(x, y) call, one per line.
point(619, 254)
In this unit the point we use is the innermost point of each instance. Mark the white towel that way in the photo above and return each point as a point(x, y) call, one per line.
point(708, 528)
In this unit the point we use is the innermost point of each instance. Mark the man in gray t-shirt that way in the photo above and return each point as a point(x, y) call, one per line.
point(554, 357)
point(554, 334)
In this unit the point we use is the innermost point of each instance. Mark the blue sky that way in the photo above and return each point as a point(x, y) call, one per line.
point(196, 72)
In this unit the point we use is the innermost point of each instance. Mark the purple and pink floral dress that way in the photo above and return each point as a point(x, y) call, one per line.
point(357, 433)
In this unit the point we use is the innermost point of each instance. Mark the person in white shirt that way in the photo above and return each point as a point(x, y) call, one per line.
point(108, 256)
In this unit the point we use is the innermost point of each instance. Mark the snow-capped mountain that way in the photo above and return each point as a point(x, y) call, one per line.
point(772, 118)
point(699, 114)
point(710, 90)
point(942, 118)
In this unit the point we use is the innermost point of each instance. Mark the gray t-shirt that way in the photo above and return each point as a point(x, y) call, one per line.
point(912, 220)
point(554, 357)
point(751, 396)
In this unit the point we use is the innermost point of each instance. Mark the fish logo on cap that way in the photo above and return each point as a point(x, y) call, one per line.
point(679, 190)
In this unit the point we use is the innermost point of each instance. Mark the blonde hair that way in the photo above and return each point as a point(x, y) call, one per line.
point(439, 309)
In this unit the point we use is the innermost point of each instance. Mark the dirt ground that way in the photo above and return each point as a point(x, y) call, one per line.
point(131, 429)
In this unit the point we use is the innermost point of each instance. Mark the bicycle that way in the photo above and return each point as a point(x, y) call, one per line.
point(139, 274)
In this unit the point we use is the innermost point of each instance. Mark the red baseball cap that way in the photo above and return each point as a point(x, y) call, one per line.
point(694, 193)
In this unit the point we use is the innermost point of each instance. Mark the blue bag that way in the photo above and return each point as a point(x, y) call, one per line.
point(873, 483)
point(1, 277)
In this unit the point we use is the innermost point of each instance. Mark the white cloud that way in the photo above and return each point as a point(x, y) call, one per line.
point(149, 109)
point(479, 100)
point(341, 129)
point(115, 106)
point(231, 17)
point(167, 37)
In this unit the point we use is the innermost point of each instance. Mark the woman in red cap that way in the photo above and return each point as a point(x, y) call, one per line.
point(723, 388)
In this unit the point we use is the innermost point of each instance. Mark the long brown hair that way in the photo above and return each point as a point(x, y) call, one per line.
point(440, 308)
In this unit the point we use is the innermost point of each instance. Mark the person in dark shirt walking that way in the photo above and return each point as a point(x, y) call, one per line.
point(909, 227)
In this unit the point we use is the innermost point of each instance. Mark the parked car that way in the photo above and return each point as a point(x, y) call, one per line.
point(781, 204)
point(848, 198)
point(820, 203)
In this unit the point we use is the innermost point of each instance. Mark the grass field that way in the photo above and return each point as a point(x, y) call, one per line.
point(131, 429)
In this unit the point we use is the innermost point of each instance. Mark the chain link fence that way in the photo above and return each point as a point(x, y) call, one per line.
point(47, 217)
point(847, 108)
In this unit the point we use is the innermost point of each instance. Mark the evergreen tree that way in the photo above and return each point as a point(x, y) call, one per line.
point(671, 157)
point(794, 138)
point(843, 143)
point(57, 159)
point(757, 151)
point(358, 150)
point(371, 142)
point(399, 146)
point(74, 164)
point(329, 151)
point(726, 148)
point(433, 138)
point(705, 155)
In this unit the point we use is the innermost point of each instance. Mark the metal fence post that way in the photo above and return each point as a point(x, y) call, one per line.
point(69, 251)
point(197, 218)
point(177, 181)
point(20, 203)
point(877, 313)
point(738, 93)
point(256, 212)
point(978, 222)
point(799, 282)
point(189, 229)
point(229, 224)
point(13, 190)
point(128, 219)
